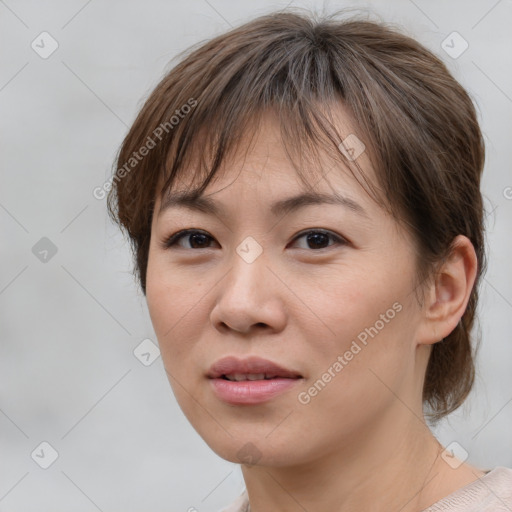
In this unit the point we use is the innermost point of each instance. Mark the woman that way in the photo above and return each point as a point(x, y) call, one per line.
point(303, 199)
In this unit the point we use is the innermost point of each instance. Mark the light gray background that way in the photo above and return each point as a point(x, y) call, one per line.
point(68, 374)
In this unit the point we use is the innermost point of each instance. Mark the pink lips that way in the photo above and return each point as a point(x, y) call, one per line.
point(250, 391)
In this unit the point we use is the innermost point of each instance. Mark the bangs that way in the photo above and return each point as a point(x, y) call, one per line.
point(310, 144)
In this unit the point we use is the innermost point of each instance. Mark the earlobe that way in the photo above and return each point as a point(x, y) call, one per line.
point(449, 293)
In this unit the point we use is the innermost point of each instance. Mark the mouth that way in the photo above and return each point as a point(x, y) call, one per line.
point(252, 368)
point(239, 377)
point(250, 381)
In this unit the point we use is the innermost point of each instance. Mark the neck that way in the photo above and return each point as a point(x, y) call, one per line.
point(396, 467)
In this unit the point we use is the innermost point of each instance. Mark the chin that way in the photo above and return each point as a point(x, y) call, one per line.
point(252, 450)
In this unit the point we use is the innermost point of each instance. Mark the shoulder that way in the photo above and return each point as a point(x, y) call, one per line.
point(490, 493)
point(496, 487)
point(499, 481)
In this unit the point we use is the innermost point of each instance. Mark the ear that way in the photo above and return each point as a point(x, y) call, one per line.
point(447, 298)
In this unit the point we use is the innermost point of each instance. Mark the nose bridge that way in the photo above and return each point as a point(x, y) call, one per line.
point(247, 295)
point(248, 269)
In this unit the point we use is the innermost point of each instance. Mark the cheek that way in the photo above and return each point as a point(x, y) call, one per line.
point(341, 303)
point(166, 298)
point(363, 321)
point(176, 306)
point(358, 374)
point(157, 298)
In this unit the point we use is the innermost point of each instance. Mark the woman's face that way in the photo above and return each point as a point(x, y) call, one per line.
point(336, 307)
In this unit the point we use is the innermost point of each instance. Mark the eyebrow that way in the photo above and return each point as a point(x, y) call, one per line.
point(191, 201)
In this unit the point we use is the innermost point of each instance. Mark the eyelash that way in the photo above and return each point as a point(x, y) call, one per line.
point(172, 240)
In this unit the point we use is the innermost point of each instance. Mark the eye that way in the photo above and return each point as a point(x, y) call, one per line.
point(318, 238)
point(197, 239)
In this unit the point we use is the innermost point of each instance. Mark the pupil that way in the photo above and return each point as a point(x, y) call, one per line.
point(202, 238)
point(316, 238)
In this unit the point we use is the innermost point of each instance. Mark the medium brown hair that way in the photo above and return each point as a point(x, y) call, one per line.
point(418, 123)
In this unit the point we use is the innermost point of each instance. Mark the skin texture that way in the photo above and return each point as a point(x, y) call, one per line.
point(362, 442)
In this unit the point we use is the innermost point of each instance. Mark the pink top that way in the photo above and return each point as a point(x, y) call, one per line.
point(490, 493)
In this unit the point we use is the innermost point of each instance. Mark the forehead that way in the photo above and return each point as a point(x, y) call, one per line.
point(266, 157)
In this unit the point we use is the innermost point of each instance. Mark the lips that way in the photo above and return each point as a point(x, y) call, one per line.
point(252, 368)
point(250, 382)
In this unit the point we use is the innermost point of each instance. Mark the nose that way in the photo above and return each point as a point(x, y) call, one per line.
point(250, 298)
